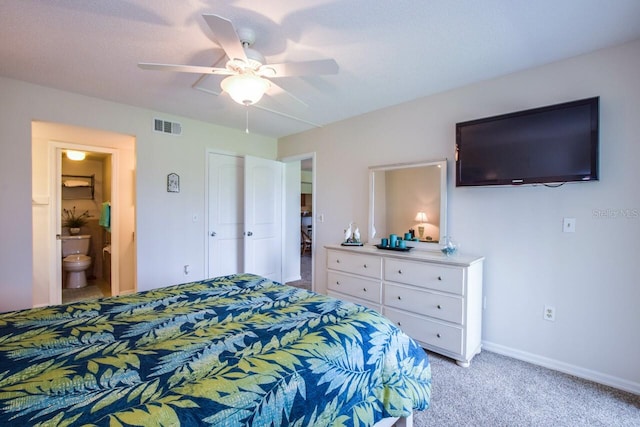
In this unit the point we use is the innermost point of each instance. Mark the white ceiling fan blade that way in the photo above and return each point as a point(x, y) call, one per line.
point(226, 35)
point(304, 68)
point(184, 68)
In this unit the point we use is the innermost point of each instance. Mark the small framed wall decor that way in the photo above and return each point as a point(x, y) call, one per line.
point(173, 183)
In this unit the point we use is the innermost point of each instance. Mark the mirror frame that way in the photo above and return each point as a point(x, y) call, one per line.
point(373, 240)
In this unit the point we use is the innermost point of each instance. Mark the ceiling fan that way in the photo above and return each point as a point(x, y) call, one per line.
point(248, 74)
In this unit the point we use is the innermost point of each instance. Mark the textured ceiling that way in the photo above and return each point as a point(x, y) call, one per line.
point(388, 52)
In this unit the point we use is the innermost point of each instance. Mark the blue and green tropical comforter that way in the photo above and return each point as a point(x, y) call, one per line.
point(231, 351)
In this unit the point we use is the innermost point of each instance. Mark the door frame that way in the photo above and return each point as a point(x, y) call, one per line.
point(55, 216)
point(300, 157)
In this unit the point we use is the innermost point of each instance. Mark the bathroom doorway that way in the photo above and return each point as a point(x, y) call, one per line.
point(86, 194)
point(106, 175)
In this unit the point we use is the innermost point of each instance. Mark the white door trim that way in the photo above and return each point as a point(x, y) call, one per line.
point(312, 156)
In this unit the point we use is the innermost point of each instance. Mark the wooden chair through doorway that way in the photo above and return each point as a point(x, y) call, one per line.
point(305, 242)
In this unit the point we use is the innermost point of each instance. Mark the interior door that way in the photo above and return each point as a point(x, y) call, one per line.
point(226, 214)
point(263, 190)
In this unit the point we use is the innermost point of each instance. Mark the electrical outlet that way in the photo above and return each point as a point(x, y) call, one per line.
point(549, 313)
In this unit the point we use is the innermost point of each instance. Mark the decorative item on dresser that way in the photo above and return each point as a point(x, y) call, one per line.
point(435, 299)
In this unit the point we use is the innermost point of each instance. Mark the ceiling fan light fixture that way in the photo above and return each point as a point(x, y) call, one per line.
point(245, 89)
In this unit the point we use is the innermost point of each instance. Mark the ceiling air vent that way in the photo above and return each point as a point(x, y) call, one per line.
point(167, 127)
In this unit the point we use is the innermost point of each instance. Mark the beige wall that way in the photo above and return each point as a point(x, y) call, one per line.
point(590, 276)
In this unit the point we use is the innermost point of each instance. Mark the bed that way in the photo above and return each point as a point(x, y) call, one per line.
point(232, 351)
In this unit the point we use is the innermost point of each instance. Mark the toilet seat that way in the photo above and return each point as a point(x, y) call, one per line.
point(76, 258)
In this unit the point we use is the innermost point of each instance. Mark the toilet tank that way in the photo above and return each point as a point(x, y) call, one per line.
point(72, 245)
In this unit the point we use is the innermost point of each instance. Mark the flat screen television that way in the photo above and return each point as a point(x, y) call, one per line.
point(553, 144)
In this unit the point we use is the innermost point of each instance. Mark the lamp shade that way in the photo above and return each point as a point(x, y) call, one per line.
point(245, 89)
point(421, 217)
point(75, 155)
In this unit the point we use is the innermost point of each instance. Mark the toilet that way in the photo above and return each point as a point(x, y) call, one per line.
point(75, 260)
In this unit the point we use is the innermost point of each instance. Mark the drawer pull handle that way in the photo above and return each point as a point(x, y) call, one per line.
point(399, 324)
point(364, 289)
point(438, 335)
point(399, 297)
point(338, 282)
point(439, 307)
point(365, 266)
point(337, 261)
point(399, 271)
point(439, 277)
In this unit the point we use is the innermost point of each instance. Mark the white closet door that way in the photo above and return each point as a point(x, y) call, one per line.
point(226, 214)
point(263, 217)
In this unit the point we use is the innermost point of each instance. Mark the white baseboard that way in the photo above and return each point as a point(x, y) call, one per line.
point(587, 374)
point(292, 279)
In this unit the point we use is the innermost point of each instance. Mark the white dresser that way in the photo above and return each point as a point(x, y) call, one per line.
point(435, 299)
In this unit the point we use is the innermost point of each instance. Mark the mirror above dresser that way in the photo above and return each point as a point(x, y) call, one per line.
point(409, 196)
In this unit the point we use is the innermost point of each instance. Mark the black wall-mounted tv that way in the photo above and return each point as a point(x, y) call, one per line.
point(553, 144)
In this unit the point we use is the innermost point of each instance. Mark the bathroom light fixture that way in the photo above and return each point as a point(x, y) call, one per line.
point(76, 155)
point(245, 89)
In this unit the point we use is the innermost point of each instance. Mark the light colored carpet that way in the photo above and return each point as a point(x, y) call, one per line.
point(500, 391)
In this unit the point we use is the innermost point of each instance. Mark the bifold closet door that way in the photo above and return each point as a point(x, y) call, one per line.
point(245, 216)
point(263, 217)
point(226, 215)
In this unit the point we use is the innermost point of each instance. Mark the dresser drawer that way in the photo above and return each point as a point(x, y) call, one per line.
point(431, 276)
point(363, 265)
point(358, 287)
point(428, 331)
point(445, 307)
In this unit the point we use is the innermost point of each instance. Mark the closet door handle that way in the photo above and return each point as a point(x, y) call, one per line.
point(212, 234)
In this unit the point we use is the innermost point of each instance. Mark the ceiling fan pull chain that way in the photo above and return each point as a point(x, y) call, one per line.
point(246, 129)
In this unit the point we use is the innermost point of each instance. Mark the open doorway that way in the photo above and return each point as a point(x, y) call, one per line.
point(300, 221)
point(85, 203)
